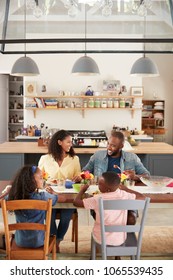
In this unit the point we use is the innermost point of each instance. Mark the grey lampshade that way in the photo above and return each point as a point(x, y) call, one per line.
point(85, 65)
point(25, 66)
point(144, 67)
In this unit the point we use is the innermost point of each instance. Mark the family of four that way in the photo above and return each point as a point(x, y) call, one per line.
point(61, 162)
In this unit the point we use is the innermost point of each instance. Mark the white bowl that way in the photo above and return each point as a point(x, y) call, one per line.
point(156, 181)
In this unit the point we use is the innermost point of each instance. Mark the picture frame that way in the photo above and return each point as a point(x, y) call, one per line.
point(30, 88)
point(111, 85)
point(137, 91)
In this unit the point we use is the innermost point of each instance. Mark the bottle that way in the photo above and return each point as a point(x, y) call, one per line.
point(89, 91)
point(15, 104)
point(21, 90)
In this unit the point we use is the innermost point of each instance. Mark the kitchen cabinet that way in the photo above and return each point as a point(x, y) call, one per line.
point(15, 105)
point(153, 119)
point(83, 103)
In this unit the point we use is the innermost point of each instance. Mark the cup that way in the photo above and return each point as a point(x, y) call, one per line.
point(130, 183)
point(61, 184)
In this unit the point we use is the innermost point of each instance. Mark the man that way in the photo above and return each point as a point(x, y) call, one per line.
point(115, 159)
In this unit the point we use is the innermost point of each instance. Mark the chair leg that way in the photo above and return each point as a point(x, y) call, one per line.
point(93, 249)
point(54, 251)
point(75, 231)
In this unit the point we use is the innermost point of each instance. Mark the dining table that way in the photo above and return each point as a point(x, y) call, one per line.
point(157, 200)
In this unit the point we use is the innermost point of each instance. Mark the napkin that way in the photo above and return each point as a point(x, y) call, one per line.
point(170, 185)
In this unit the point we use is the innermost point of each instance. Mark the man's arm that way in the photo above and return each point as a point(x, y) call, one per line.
point(78, 201)
point(90, 165)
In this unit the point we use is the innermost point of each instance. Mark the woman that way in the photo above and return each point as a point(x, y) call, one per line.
point(61, 163)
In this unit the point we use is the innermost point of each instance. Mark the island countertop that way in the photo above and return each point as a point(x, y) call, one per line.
point(33, 148)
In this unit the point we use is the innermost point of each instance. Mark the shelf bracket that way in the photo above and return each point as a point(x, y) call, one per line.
point(34, 112)
point(83, 113)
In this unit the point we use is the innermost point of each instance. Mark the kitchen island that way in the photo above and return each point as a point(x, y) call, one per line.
point(156, 156)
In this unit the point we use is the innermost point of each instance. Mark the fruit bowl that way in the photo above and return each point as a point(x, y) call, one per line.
point(77, 187)
point(156, 181)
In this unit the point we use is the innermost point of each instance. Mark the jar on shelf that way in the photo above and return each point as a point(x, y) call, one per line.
point(116, 103)
point(91, 103)
point(122, 103)
point(110, 103)
point(97, 103)
point(127, 104)
point(104, 103)
point(85, 104)
point(60, 104)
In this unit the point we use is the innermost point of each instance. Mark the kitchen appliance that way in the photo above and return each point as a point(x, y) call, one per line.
point(88, 138)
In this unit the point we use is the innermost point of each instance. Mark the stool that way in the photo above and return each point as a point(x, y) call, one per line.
point(74, 237)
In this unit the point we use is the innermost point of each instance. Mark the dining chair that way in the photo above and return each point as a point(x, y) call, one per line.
point(14, 252)
point(132, 245)
point(74, 237)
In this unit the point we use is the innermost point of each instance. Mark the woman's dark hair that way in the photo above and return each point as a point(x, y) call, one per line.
point(111, 178)
point(55, 149)
point(24, 183)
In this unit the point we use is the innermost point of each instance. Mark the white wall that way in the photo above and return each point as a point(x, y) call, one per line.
point(55, 73)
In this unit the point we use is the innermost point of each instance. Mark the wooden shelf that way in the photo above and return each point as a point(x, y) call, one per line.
point(16, 96)
point(82, 109)
point(83, 96)
point(17, 124)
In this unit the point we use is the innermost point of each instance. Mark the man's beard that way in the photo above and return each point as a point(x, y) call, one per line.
point(112, 154)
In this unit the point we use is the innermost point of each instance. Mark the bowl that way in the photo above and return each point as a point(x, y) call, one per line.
point(156, 181)
point(69, 184)
point(77, 187)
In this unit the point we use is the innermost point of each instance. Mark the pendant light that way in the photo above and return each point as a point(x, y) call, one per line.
point(85, 65)
point(144, 66)
point(25, 66)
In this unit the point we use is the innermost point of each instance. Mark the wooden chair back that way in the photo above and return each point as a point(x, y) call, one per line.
point(15, 252)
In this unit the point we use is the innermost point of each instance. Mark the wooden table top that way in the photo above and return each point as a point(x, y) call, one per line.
point(155, 198)
point(33, 148)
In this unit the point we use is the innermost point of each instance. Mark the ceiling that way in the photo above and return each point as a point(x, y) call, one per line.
point(124, 31)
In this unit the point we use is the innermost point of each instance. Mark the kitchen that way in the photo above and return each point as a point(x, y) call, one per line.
point(55, 74)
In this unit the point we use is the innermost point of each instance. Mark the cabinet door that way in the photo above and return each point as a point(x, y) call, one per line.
point(161, 165)
point(159, 138)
